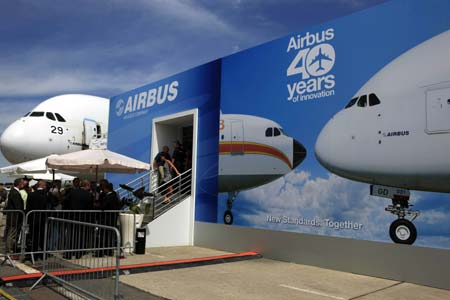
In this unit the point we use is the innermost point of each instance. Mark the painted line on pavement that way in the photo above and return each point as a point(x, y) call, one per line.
point(311, 292)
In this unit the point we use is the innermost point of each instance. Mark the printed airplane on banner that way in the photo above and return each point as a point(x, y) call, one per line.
point(253, 151)
point(394, 132)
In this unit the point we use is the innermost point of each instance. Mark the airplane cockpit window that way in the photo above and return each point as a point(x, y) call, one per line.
point(269, 132)
point(351, 103)
point(59, 117)
point(50, 116)
point(27, 114)
point(276, 132)
point(37, 114)
point(362, 101)
point(282, 131)
point(373, 100)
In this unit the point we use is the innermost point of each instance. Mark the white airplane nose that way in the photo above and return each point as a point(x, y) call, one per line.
point(13, 142)
point(324, 148)
point(335, 147)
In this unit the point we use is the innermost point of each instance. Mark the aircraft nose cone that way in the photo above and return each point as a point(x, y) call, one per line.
point(324, 148)
point(299, 152)
point(12, 142)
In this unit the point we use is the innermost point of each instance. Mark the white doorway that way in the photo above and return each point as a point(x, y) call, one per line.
point(175, 227)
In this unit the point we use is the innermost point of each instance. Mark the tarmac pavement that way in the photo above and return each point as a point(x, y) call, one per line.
point(249, 279)
point(265, 279)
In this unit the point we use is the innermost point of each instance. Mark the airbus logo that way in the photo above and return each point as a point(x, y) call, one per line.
point(320, 60)
point(120, 107)
point(139, 102)
point(396, 133)
point(316, 61)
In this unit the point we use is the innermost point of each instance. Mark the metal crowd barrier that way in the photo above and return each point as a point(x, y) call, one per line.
point(11, 233)
point(33, 227)
point(94, 273)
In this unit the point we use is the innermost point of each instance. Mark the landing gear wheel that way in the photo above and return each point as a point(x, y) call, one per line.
point(228, 217)
point(403, 231)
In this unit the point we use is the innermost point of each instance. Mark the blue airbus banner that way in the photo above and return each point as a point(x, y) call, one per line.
point(305, 80)
point(339, 130)
point(130, 124)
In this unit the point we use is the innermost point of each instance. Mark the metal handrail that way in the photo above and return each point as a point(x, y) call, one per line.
point(141, 177)
point(139, 181)
point(175, 178)
point(153, 206)
point(182, 182)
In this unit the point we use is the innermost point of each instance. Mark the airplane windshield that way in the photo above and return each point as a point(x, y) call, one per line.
point(37, 114)
point(351, 102)
point(50, 116)
point(373, 100)
point(362, 102)
point(59, 117)
point(26, 115)
point(269, 132)
point(276, 132)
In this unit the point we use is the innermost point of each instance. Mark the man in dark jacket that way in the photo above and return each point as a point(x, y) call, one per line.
point(78, 199)
point(110, 201)
point(37, 200)
point(179, 157)
point(14, 219)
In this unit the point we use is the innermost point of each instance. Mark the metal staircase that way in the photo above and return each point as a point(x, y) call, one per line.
point(146, 196)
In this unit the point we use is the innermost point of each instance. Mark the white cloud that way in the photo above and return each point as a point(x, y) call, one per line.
point(189, 13)
point(41, 83)
point(168, 44)
point(10, 113)
point(434, 217)
point(48, 72)
point(335, 198)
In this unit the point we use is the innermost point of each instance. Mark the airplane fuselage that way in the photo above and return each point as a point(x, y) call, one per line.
point(58, 125)
point(254, 151)
point(403, 138)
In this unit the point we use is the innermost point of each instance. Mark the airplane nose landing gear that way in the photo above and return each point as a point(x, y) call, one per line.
point(402, 231)
point(228, 215)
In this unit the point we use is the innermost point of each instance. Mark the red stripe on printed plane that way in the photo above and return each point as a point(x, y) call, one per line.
point(253, 148)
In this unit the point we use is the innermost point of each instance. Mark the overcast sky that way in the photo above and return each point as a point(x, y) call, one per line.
point(106, 47)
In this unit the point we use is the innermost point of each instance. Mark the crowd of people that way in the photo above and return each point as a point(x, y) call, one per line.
point(81, 195)
point(42, 195)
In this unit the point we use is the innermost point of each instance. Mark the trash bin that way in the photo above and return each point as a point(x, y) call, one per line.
point(139, 248)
